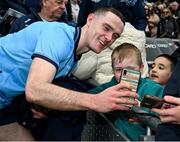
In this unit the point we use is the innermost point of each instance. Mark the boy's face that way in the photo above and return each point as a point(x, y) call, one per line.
point(130, 63)
point(103, 30)
point(161, 70)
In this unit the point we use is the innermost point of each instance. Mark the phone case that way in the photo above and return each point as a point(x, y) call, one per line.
point(155, 102)
point(131, 76)
point(152, 102)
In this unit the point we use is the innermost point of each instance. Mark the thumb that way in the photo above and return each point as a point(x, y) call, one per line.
point(173, 100)
point(123, 85)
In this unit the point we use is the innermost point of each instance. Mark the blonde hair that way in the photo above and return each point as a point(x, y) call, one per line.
point(126, 50)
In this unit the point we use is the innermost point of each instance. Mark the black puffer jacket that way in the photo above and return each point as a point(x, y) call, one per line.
point(168, 28)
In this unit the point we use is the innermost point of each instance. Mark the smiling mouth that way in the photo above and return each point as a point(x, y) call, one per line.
point(102, 43)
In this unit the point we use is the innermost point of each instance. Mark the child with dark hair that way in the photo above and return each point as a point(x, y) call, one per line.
point(162, 68)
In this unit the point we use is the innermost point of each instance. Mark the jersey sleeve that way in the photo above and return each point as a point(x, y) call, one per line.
point(53, 45)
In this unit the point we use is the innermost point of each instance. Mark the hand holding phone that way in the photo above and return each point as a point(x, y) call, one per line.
point(132, 77)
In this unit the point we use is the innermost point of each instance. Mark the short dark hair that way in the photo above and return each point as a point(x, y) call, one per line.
point(112, 10)
point(169, 58)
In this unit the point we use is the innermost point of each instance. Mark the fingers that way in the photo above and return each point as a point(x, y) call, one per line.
point(122, 85)
point(122, 107)
point(164, 112)
point(123, 97)
point(123, 103)
point(125, 93)
point(171, 99)
point(167, 119)
point(156, 110)
point(115, 98)
point(124, 90)
point(168, 115)
point(127, 101)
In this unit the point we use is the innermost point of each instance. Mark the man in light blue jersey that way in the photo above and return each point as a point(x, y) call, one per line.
point(33, 57)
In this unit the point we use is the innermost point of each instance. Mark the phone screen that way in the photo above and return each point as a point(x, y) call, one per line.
point(131, 76)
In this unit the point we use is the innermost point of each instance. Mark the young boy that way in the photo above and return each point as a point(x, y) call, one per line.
point(162, 69)
point(128, 56)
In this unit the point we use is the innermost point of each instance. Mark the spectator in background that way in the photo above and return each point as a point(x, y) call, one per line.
point(162, 68)
point(175, 10)
point(167, 27)
point(153, 20)
point(72, 10)
point(51, 10)
point(75, 9)
point(146, 8)
point(160, 7)
point(174, 7)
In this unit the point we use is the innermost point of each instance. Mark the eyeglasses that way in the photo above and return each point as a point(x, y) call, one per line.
point(165, 12)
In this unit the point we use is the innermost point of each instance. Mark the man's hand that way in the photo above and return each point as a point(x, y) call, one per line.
point(170, 115)
point(118, 97)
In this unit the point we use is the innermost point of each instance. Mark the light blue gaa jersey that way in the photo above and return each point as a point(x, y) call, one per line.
point(51, 41)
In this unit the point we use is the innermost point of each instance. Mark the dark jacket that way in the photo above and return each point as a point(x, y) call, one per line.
point(168, 28)
point(26, 20)
point(133, 14)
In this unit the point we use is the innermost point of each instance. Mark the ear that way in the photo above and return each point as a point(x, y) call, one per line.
point(90, 18)
point(141, 67)
point(44, 2)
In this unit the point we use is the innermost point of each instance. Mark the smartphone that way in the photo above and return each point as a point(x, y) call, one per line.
point(155, 102)
point(131, 76)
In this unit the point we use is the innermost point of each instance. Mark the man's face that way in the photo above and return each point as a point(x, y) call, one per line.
point(130, 63)
point(103, 30)
point(161, 70)
point(54, 8)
